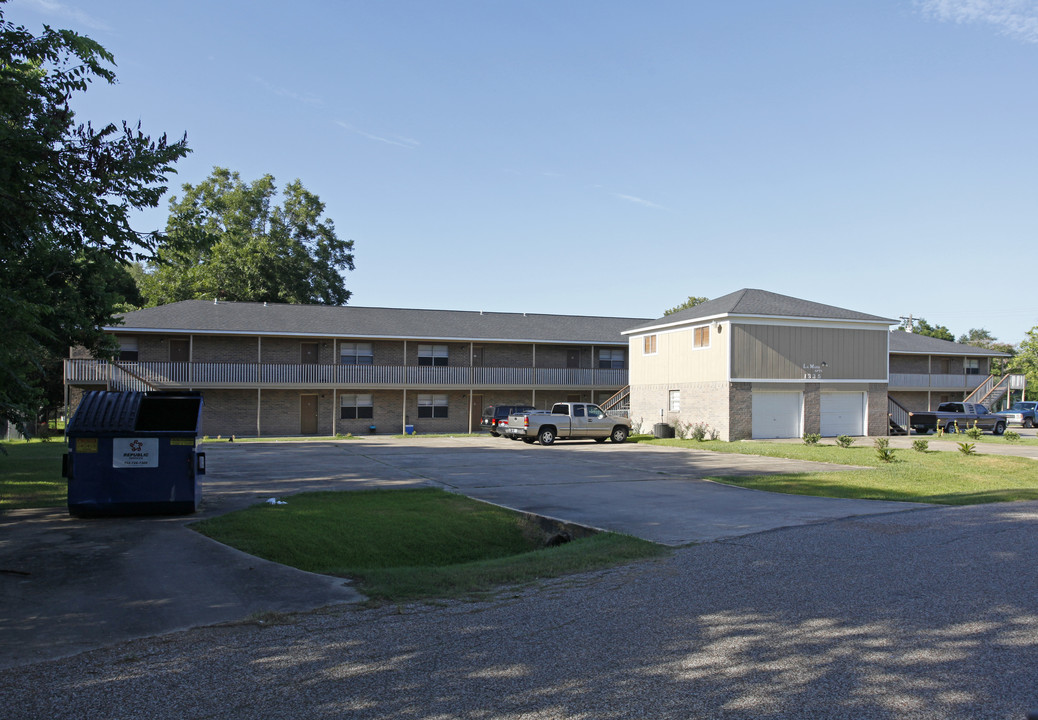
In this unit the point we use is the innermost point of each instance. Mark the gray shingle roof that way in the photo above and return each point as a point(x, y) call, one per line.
point(753, 302)
point(205, 316)
point(912, 344)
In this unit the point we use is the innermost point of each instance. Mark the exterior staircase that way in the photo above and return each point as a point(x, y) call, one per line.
point(900, 423)
point(619, 404)
point(990, 392)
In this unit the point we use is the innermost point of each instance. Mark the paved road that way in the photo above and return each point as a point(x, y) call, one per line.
point(927, 615)
point(69, 585)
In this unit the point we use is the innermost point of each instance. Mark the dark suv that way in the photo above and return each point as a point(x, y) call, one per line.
point(496, 416)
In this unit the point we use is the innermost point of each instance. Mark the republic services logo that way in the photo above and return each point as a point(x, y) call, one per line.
point(136, 446)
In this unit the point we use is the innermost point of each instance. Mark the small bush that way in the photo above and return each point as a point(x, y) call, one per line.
point(699, 431)
point(883, 450)
point(1011, 436)
point(967, 448)
point(974, 433)
point(844, 441)
point(811, 438)
point(920, 445)
point(681, 430)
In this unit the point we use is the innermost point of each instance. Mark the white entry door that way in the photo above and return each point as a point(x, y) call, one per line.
point(842, 413)
point(777, 414)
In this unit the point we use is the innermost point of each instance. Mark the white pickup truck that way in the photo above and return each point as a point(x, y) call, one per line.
point(568, 421)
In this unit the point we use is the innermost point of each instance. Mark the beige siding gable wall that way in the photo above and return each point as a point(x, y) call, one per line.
point(676, 361)
point(780, 352)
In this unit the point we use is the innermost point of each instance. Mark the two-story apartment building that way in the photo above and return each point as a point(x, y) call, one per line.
point(926, 371)
point(275, 369)
point(756, 364)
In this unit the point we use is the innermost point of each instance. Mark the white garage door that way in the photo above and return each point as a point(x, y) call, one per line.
point(843, 413)
point(777, 414)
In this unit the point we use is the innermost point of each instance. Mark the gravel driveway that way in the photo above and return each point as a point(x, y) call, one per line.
point(927, 614)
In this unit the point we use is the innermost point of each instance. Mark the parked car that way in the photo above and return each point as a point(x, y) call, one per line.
point(957, 415)
point(1021, 413)
point(568, 421)
point(496, 416)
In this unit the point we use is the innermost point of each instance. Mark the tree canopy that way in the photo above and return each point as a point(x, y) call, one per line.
point(921, 327)
point(1026, 361)
point(66, 195)
point(231, 240)
point(690, 303)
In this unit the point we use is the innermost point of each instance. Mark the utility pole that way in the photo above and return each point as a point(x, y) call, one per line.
point(909, 320)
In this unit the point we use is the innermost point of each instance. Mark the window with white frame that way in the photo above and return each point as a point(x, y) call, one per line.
point(701, 337)
point(972, 366)
point(611, 359)
point(432, 406)
point(675, 401)
point(432, 355)
point(355, 407)
point(354, 353)
point(650, 345)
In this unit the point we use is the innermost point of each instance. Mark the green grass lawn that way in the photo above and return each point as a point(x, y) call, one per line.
point(947, 477)
point(30, 474)
point(410, 544)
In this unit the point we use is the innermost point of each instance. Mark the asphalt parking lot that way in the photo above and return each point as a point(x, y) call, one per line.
point(72, 584)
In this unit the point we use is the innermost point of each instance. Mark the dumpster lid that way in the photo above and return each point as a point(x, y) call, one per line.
point(102, 412)
point(106, 412)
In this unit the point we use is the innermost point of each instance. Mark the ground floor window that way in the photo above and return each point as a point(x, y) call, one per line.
point(432, 406)
point(353, 407)
point(675, 401)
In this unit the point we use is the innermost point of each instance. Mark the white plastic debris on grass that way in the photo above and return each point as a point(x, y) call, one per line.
point(275, 501)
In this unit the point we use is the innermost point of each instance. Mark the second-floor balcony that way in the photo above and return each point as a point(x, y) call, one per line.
point(934, 381)
point(183, 375)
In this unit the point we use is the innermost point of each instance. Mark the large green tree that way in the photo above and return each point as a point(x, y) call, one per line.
point(231, 240)
point(67, 192)
point(1026, 361)
point(690, 303)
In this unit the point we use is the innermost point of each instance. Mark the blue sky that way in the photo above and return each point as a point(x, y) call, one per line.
point(613, 158)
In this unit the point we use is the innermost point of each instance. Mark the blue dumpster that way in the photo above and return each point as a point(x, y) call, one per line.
point(135, 453)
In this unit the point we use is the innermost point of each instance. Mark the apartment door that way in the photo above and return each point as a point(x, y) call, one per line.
point(573, 358)
point(308, 414)
point(477, 356)
point(308, 353)
point(180, 353)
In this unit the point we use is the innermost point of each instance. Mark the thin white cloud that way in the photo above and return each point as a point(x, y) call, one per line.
point(62, 12)
point(290, 94)
point(404, 142)
point(638, 201)
point(1016, 19)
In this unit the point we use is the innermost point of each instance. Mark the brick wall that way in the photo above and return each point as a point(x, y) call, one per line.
point(216, 349)
point(878, 421)
point(706, 402)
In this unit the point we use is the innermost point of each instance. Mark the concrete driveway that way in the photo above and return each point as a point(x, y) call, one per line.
point(67, 585)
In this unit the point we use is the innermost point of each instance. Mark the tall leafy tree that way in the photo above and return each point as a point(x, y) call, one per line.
point(981, 337)
point(231, 240)
point(690, 303)
point(67, 191)
point(1026, 361)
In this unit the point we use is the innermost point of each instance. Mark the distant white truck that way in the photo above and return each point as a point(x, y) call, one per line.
point(568, 421)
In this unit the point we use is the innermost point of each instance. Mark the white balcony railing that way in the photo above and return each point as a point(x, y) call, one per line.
point(923, 381)
point(141, 375)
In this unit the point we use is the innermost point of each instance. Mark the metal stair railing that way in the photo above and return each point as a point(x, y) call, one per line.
point(900, 417)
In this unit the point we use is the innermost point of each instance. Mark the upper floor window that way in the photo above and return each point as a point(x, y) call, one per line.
point(701, 337)
point(356, 354)
point(611, 359)
point(128, 349)
point(356, 406)
point(432, 406)
point(432, 355)
point(650, 345)
point(972, 366)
